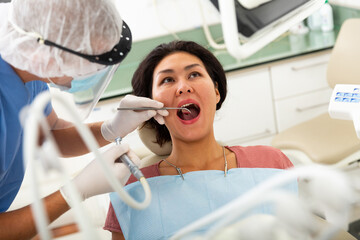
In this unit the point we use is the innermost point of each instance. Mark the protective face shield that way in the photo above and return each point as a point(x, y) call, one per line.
point(81, 83)
point(76, 48)
point(86, 90)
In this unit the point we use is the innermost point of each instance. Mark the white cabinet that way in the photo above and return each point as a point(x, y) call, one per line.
point(295, 110)
point(247, 112)
point(271, 98)
point(300, 89)
point(300, 75)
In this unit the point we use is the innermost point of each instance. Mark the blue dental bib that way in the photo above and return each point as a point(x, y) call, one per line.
point(177, 203)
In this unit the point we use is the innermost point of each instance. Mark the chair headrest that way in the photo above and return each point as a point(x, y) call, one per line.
point(147, 135)
point(343, 67)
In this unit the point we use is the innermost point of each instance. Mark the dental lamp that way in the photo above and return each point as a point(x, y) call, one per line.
point(259, 22)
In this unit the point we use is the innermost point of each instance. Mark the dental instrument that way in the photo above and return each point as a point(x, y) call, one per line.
point(34, 118)
point(130, 164)
point(152, 108)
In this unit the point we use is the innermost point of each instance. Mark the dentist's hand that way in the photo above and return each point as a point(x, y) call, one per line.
point(92, 181)
point(126, 121)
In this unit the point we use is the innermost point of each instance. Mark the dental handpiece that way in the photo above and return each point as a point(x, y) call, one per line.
point(129, 164)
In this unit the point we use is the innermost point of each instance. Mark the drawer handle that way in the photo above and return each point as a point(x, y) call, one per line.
point(311, 107)
point(308, 66)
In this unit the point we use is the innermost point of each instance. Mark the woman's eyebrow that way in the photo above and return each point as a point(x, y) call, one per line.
point(192, 66)
point(186, 68)
point(165, 71)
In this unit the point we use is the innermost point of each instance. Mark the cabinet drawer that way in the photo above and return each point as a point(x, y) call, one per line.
point(292, 111)
point(247, 112)
point(299, 76)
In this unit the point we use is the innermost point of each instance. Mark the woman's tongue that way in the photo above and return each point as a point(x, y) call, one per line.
point(185, 115)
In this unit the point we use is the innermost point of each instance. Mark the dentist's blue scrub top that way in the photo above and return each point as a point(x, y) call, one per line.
point(14, 95)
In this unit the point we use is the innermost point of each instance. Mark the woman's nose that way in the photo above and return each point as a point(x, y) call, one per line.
point(184, 88)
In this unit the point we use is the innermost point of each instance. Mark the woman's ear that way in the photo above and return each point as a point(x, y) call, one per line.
point(217, 93)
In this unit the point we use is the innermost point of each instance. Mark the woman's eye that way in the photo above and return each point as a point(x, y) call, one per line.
point(167, 80)
point(194, 75)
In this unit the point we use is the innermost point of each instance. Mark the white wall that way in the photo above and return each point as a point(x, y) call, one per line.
point(347, 3)
point(153, 18)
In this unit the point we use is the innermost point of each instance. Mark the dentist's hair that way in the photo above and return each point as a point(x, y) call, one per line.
point(142, 80)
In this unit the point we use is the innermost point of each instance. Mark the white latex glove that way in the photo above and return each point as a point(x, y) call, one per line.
point(126, 121)
point(92, 181)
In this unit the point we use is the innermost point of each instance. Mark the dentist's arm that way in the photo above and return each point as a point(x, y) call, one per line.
point(19, 224)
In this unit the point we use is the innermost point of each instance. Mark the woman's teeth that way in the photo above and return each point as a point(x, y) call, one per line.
point(186, 110)
point(191, 111)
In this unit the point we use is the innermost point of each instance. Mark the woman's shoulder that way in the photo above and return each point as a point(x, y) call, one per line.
point(260, 156)
point(256, 151)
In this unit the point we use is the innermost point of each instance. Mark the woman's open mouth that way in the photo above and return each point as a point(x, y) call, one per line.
point(193, 112)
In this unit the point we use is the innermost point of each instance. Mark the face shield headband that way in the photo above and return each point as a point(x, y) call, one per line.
point(115, 56)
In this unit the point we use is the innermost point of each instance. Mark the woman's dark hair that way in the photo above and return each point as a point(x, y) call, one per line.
point(142, 80)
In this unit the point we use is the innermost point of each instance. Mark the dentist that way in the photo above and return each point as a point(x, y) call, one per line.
point(75, 46)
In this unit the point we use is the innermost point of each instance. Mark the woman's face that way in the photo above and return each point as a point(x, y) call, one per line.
point(181, 80)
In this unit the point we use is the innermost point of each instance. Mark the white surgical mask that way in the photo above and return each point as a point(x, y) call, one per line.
point(84, 83)
point(87, 90)
point(81, 83)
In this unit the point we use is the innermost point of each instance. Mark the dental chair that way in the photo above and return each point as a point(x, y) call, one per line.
point(324, 140)
point(148, 136)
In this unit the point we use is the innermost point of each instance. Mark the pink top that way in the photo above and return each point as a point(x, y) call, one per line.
point(246, 157)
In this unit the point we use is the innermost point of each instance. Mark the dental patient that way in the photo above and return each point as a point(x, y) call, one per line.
point(200, 175)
